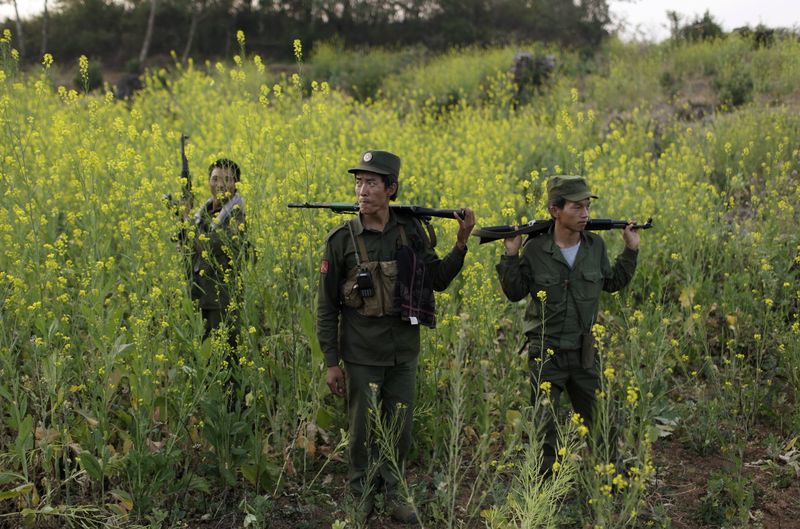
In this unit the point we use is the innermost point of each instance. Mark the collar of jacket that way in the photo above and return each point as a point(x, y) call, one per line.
point(358, 226)
point(552, 248)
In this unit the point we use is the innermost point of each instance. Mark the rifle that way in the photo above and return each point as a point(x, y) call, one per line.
point(187, 197)
point(417, 211)
point(537, 227)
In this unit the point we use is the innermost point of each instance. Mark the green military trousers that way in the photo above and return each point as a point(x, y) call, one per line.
point(392, 389)
point(564, 372)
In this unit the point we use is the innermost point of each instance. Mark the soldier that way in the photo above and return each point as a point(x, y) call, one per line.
point(376, 288)
point(218, 243)
point(564, 272)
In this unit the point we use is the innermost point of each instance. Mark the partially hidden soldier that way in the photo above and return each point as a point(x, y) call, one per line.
point(377, 279)
point(564, 271)
point(217, 248)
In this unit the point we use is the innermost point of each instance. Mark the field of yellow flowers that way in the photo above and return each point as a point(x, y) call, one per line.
point(113, 412)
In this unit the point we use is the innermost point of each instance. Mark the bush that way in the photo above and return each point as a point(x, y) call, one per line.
point(465, 75)
point(449, 78)
point(728, 500)
point(630, 78)
point(91, 79)
point(359, 72)
point(734, 86)
point(701, 28)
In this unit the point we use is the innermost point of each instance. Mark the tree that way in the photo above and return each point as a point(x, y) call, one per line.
point(45, 17)
point(196, 9)
point(148, 35)
point(674, 23)
point(701, 28)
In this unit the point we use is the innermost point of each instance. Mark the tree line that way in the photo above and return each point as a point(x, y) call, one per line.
point(131, 32)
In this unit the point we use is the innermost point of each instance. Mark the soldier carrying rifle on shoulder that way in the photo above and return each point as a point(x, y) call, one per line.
point(377, 279)
point(563, 270)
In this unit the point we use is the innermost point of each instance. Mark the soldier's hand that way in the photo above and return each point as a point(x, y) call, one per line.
point(631, 236)
point(335, 380)
point(513, 245)
point(465, 226)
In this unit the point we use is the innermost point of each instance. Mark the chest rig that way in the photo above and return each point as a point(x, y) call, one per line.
point(371, 286)
point(399, 287)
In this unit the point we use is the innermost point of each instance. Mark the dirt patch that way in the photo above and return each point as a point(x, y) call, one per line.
point(683, 475)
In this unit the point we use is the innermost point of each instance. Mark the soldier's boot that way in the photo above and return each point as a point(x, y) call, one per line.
point(403, 512)
point(364, 507)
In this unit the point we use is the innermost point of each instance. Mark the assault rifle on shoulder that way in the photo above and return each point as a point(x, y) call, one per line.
point(416, 211)
point(536, 227)
point(186, 202)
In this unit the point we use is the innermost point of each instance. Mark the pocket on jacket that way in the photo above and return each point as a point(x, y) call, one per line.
point(388, 285)
point(589, 286)
point(552, 285)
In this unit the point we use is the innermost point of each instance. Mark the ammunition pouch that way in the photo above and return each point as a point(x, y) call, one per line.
point(384, 280)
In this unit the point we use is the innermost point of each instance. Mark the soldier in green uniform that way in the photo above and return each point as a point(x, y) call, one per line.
point(564, 272)
point(217, 245)
point(377, 279)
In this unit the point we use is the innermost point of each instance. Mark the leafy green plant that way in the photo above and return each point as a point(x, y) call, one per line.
point(735, 87)
point(728, 500)
point(360, 72)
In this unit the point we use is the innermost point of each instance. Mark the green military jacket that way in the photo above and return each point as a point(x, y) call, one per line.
point(375, 341)
point(217, 247)
point(572, 294)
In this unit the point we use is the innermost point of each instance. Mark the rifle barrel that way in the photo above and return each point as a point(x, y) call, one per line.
point(186, 175)
point(417, 211)
point(535, 227)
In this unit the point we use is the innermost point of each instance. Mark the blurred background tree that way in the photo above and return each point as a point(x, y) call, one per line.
point(126, 30)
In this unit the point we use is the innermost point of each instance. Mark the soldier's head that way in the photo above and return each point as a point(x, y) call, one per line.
point(377, 167)
point(568, 200)
point(223, 175)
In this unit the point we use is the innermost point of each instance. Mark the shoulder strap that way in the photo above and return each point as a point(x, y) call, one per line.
point(360, 247)
point(428, 234)
point(403, 236)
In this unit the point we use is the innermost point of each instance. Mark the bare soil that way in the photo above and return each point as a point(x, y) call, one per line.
point(682, 479)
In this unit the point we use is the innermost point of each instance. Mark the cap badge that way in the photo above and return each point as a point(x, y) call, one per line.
point(367, 156)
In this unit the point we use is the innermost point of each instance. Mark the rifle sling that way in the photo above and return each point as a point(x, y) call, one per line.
point(360, 246)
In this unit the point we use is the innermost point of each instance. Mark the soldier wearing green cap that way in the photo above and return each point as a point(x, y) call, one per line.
point(377, 279)
point(563, 271)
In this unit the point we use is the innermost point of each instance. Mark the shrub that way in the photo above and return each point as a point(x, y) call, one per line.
point(359, 72)
point(734, 86)
point(91, 78)
point(728, 500)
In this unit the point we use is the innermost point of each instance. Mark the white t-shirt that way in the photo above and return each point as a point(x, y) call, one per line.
point(570, 253)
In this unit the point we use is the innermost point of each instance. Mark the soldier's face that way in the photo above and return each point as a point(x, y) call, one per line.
point(574, 215)
point(371, 192)
point(222, 183)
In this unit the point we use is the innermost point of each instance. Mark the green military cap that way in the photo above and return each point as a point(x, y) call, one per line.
point(380, 162)
point(572, 188)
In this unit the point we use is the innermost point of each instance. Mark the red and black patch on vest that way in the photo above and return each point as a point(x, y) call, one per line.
point(323, 267)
